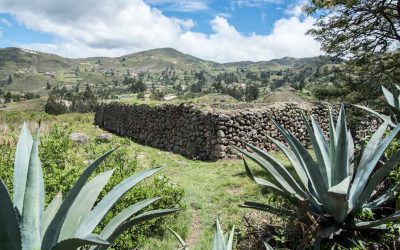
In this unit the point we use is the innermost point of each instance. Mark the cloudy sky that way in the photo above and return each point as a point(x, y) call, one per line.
point(217, 30)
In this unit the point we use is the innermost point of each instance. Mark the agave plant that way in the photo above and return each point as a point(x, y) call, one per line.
point(392, 99)
point(222, 241)
point(68, 223)
point(182, 242)
point(331, 189)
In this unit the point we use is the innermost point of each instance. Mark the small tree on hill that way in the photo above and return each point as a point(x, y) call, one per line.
point(251, 93)
point(9, 80)
point(48, 86)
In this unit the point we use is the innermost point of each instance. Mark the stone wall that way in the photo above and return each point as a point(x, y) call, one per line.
point(207, 133)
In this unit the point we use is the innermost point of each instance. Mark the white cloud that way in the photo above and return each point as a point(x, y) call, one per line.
point(296, 9)
point(113, 28)
point(252, 3)
point(181, 5)
point(6, 22)
point(226, 44)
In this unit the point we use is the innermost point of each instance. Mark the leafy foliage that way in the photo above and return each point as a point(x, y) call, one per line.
point(366, 32)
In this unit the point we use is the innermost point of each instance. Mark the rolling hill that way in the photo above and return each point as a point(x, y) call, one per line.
point(31, 70)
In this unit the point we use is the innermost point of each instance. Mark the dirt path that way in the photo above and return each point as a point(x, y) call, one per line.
point(194, 235)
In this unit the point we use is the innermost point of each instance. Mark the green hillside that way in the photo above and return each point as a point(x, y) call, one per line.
point(166, 69)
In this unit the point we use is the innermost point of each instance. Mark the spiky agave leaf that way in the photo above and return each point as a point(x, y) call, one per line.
point(135, 221)
point(95, 216)
point(391, 98)
point(51, 211)
point(32, 212)
point(52, 233)
point(83, 204)
point(183, 244)
point(221, 241)
point(329, 181)
point(34, 228)
point(123, 216)
point(21, 164)
point(10, 236)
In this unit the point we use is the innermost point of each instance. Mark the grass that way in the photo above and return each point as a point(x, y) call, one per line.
point(212, 189)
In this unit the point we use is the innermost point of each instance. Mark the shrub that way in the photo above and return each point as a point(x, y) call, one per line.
point(328, 92)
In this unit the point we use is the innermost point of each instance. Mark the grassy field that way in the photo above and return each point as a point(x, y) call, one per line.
point(212, 189)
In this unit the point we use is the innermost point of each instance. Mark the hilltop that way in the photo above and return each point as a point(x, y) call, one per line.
point(165, 68)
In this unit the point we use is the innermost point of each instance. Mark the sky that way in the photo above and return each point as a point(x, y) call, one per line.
point(217, 30)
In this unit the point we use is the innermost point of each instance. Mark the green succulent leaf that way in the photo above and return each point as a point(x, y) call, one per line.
point(268, 247)
point(364, 171)
point(376, 179)
point(124, 215)
point(338, 203)
point(263, 182)
point(291, 156)
point(229, 243)
point(381, 199)
point(332, 144)
point(385, 118)
point(377, 224)
point(137, 220)
point(53, 231)
point(179, 238)
point(269, 209)
point(75, 243)
point(341, 168)
point(391, 98)
point(21, 164)
point(51, 211)
point(10, 237)
point(31, 221)
point(219, 239)
point(89, 223)
point(83, 204)
point(275, 166)
point(321, 148)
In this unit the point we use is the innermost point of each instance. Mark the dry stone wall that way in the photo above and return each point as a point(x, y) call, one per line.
point(207, 133)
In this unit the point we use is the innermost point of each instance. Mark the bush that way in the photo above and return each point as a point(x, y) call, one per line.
point(328, 92)
point(140, 96)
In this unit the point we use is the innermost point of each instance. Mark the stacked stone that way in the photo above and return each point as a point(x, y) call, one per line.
point(179, 129)
point(210, 135)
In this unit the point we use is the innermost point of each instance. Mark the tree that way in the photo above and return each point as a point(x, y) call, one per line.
point(356, 27)
point(55, 106)
point(368, 34)
point(251, 93)
point(157, 95)
point(8, 95)
point(48, 86)
point(9, 80)
point(138, 86)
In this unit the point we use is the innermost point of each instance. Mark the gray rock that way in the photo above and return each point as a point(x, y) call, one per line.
point(224, 117)
point(104, 137)
point(79, 137)
point(220, 133)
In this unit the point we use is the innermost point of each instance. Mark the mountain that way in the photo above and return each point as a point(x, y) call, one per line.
point(31, 70)
point(156, 60)
point(16, 59)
